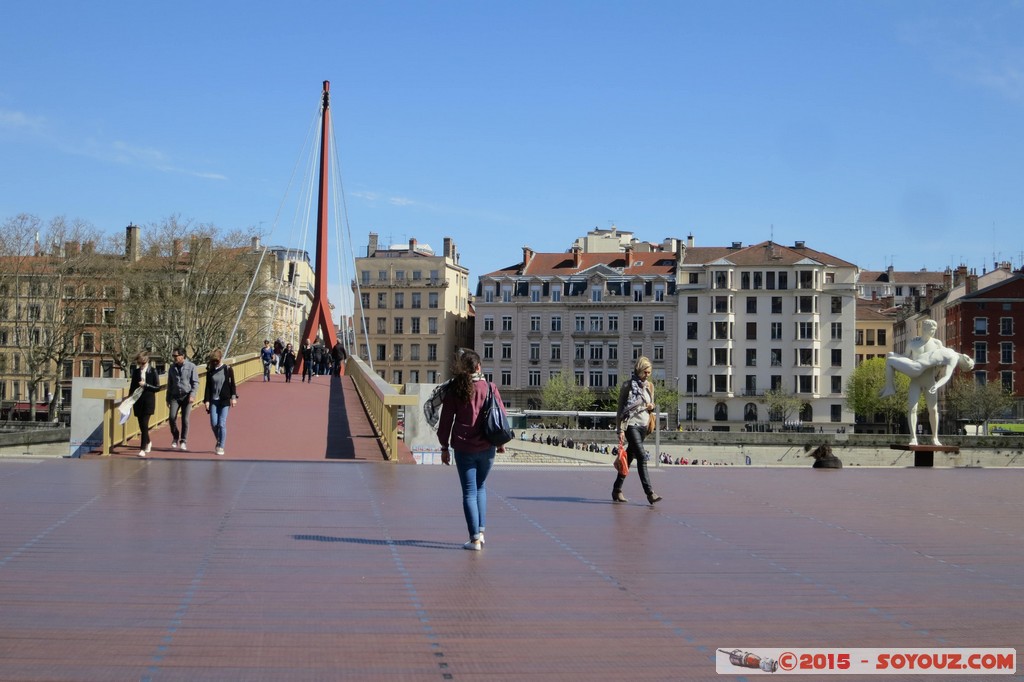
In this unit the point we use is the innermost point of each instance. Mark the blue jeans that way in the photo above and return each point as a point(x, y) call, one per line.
point(219, 420)
point(473, 469)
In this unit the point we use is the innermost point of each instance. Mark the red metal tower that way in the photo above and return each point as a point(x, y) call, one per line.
point(319, 319)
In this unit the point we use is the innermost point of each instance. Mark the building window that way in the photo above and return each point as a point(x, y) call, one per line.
point(691, 357)
point(980, 352)
point(431, 352)
point(414, 325)
point(720, 330)
point(638, 323)
point(691, 331)
point(659, 323)
point(691, 305)
point(579, 352)
point(837, 304)
point(431, 325)
point(751, 331)
point(776, 357)
point(1006, 377)
point(613, 323)
point(382, 300)
point(638, 293)
point(837, 357)
point(556, 294)
point(981, 326)
point(506, 294)
point(506, 377)
point(837, 331)
point(399, 325)
point(1006, 353)
point(596, 352)
point(534, 294)
point(581, 323)
point(397, 352)
point(382, 352)
point(720, 357)
point(1006, 326)
point(836, 413)
point(659, 353)
point(556, 323)
point(776, 328)
point(506, 323)
point(506, 351)
point(659, 292)
point(414, 355)
point(751, 357)
point(535, 352)
point(488, 324)
point(534, 323)
point(613, 351)
point(399, 300)
point(596, 379)
point(638, 350)
point(595, 294)
point(533, 378)
point(556, 352)
point(488, 351)
point(432, 300)
point(752, 305)
point(417, 300)
point(837, 384)
point(88, 344)
point(721, 304)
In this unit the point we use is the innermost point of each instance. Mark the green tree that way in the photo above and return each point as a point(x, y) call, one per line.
point(782, 405)
point(976, 402)
point(561, 393)
point(863, 388)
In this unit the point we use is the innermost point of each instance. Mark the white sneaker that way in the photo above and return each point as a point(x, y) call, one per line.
point(219, 451)
point(182, 446)
point(142, 453)
point(473, 546)
point(174, 445)
point(149, 448)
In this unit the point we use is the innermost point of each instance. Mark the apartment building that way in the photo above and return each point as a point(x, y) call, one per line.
point(874, 333)
point(73, 311)
point(900, 287)
point(764, 317)
point(986, 324)
point(587, 313)
point(414, 309)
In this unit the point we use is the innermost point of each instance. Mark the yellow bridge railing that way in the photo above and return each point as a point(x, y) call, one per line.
point(382, 402)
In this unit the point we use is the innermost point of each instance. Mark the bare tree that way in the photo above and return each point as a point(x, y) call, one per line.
point(186, 287)
point(42, 301)
point(978, 403)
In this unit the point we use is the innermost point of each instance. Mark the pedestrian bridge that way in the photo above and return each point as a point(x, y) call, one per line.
point(306, 553)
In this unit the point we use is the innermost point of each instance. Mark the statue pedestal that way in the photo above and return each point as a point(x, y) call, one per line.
point(924, 455)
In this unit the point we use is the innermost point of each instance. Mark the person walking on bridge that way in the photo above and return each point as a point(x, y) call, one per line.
point(220, 395)
point(182, 387)
point(461, 429)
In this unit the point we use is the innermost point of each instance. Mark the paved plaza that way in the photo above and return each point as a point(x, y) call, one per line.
point(352, 568)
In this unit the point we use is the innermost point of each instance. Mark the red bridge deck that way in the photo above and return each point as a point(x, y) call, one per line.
point(122, 568)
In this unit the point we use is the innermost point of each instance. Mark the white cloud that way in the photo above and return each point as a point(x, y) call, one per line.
point(20, 121)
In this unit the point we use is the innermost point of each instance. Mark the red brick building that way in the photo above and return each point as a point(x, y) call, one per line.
point(988, 325)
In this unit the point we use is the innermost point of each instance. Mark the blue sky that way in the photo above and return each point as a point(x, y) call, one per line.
point(883, 132)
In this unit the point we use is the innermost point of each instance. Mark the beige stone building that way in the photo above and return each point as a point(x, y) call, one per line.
point(413, 310)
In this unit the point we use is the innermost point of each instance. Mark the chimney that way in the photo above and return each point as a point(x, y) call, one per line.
point(739, 245)
point(577, 256)
point(255, 242)
point(412, 245)
point(175, 248)
point(372, 248)
point(70, 249)
point(960, 276)
point(799, 245)
point(689, 241)
point(131, 243)
point(972, 283)
point(527, 258)
point(629, 255)
point(449, 248)
point(88, 247)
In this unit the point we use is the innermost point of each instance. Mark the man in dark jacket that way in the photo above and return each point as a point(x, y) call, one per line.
point(182, 387)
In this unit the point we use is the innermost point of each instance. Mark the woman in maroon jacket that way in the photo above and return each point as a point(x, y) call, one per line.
point(460, 428)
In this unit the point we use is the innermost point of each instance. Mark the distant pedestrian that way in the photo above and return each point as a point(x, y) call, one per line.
point(338, 356)
point(182, 387)
point(267, 356)
point(460, 428)
point(144, 376)
point(278, 352)
point(221, 394)
point(307, 360)
point(288, 363)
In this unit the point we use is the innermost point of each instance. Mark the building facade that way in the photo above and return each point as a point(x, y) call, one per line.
point(760, 318)
point(414, 310)
point(584, 314)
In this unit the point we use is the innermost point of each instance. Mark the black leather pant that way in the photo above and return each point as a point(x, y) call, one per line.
point(635, 454)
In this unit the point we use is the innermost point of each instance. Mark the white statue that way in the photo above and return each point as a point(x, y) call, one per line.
point(930, 365)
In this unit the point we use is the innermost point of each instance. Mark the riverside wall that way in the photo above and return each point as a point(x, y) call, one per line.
point(768, 449)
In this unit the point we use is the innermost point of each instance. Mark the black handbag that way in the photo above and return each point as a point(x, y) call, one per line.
point(495, 422)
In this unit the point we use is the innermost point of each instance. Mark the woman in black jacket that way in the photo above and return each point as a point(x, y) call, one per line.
point(220, 395)
point(144, 376)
